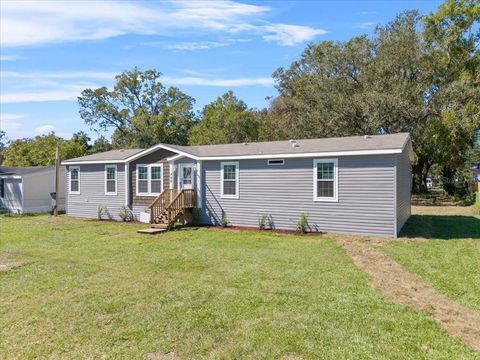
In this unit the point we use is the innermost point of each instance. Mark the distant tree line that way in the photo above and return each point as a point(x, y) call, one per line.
point(415, 74)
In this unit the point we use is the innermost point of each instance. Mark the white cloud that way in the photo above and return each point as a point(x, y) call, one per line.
point(67, 86)
point(10, 57)
point(44, 129)
point(26, 23)
point(10, 122)
point(289, 35)
point(205, 81)
point(367, 12)
point(365, 25)
point(39, 96)
point(190, 46)
point(101, 75)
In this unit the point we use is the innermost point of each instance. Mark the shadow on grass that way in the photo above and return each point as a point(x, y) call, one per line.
point(444, 227)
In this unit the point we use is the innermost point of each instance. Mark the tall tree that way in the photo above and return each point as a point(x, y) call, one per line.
point(225, 120)
point(101, 145)
point(452, 37)
point(398, 81)
point(139, 109)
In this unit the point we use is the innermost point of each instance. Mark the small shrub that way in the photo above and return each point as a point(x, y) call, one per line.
point(224, 220)
point(302, 223)
point(262, 221)
point(125, 214)
point(468, 199)
point(102, 210)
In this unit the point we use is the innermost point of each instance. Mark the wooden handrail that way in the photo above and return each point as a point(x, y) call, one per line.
point(173, 203)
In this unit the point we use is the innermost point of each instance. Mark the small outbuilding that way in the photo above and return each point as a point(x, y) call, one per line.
point(29, 189)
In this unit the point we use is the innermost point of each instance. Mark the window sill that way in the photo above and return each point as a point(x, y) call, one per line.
point(325, 199)
point(110, 194)
point(236, 197)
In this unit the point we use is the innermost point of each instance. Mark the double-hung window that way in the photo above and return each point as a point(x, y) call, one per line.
point(155, 179)
point(149, 179)
point(229, 180)
point(325, 180)
point(110, 179)
point(74, 180)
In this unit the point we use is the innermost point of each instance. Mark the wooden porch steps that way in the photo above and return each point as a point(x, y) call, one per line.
point(171, 206)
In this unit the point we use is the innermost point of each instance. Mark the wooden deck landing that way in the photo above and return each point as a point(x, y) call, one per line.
point(151, 231)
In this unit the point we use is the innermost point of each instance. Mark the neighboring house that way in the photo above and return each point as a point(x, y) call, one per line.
point(355, 184)
point(27, 189)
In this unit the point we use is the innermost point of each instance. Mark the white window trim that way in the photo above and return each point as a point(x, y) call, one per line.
point(279, 163)
point(116, 182)
point(70, 180)
point(335, 180)
point(149, 179)
point(237, 180)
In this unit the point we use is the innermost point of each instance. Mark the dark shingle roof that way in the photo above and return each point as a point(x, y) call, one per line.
point(14, 170)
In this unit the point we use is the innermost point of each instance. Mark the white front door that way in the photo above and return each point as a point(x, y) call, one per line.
point(185, 176)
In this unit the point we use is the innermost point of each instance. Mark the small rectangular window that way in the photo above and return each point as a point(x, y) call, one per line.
point(229, 180)
point(111, 179)
point(325, 180)
point(276, 162)
point(2, 188)
point(75, 180)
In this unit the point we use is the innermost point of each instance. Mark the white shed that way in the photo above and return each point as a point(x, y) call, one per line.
point(27, 189)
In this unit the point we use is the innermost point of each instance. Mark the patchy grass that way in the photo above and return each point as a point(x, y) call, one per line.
point(448, 255)
point(98, 289)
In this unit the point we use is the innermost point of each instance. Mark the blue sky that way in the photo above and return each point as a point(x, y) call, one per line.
point(51, 51)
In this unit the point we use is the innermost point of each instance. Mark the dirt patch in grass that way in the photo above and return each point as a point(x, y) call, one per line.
point(442, 210)
point(7, 265)
point(401, 287)
point(161, 356)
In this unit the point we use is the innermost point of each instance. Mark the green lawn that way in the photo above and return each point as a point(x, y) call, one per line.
point(99, 290)
point(448, 257)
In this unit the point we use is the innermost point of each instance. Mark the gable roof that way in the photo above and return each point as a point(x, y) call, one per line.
point(23, 170)
point(107, 156)
point(340, 146)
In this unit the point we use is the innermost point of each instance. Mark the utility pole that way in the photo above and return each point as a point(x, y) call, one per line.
point(57, 180)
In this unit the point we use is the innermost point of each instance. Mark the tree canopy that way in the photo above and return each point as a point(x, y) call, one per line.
point(401, 80)
point(40, 151)
point(139, 109)
point(225, 120)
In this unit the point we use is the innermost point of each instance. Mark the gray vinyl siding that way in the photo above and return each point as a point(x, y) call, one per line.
point(366, 195)
point(92, 192)
point(404, 186)
point(13, 198)
point(37, 189)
